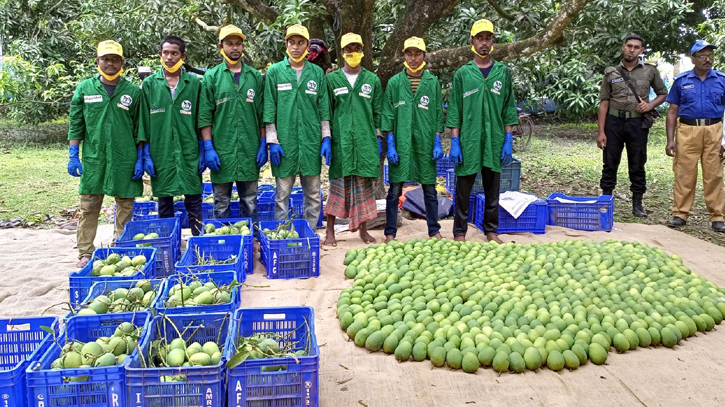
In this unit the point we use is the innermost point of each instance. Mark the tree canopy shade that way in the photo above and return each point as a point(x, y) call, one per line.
point(53, 42)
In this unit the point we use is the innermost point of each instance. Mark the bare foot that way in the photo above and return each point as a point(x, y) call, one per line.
point(389, 238)
point(365, 236)
point(330, 240)
point(437, 236)
point(459, 238)
point(492, 237)
point(256, 246)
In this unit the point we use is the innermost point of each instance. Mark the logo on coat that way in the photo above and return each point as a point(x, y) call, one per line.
point(367, 89)
point(126, 100)
point(186, 105)
point(250, 94)
point(312, 85)
point(424, 101)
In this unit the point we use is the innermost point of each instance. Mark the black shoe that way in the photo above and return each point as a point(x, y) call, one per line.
point(718, 226)
point(607, 192)
point(637, 208)
point(676, 222)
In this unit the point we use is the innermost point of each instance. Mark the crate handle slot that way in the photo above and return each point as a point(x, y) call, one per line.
point(275, 316)
point(19, 327)
point(79, 378)
point(273, 369)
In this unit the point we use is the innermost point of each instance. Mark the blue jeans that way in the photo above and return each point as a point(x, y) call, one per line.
point(247, 191)
point(431, 209)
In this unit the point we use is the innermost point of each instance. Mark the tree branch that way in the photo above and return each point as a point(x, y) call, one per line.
point(500, 11)
point(551, 35)
point(205, 26)
point(257, 8)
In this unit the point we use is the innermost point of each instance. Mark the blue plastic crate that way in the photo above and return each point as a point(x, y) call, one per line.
point(532, 220)
point(581, 213)
point(207, 211)
point(21, 341)
point(92, 387)
point(510, 179)
point(221, 278)
point(297, 204)
point(204, 385)
point(103, 287)
point(266, 187)
point(81, 281)
point(471, 206)
point(247, 243)
point(284, 261)
point(168, 243)
point(443, 165)
point(217, 247)
point(180, 208)
point(265, 205)
point(208, 189)
point(143, 209)
point(292, 383)
point(385, 176)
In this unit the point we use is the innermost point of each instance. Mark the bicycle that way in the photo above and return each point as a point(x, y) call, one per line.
point(522, 132)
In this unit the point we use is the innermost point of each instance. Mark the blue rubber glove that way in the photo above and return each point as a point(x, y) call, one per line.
point(138, 168)
point(326, 150)
point(262, 152)
point(507, 150)
point(437, 148)
point(456, 155)
point(211, 157)
point(148, 163)
point(275, 150)
point(392, 153)
point(202, 161)
point(380, 146)
point(74, 163)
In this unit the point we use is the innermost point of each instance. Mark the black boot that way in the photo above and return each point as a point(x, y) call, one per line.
point(637, 208)
point(607, 192)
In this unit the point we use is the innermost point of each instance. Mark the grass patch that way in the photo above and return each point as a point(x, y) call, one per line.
point(565, 158)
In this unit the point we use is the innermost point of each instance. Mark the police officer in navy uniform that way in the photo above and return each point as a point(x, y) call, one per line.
point(621, 117)
point(697, 99)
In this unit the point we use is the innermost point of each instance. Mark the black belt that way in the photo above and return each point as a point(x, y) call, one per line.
point(700, 122)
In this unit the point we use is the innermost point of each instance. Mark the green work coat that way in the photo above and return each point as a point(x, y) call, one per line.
point(481, 108)
point(169, 126)
point(414, 119)
point(235, 114)
point(356, 114)
point(107, 127)
point(296, 108)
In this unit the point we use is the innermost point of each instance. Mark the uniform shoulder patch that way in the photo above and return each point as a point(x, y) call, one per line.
point(681, 75)
point(651, 63)
point(609, 70)
point(718, 73)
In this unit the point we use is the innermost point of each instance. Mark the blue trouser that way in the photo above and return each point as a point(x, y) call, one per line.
point(430, 197)
point(247, 191)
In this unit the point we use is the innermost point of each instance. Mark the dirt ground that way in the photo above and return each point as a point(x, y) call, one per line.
point(37, 264)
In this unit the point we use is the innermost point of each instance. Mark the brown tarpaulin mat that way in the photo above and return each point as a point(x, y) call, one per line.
point(36, 265)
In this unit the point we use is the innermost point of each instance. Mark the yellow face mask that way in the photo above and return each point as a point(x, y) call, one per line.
point(230, 61)
point(172, 69)
point(416, 70)
point(298, 60)
point(109, 78)
point(353, 59)
point(482, 56)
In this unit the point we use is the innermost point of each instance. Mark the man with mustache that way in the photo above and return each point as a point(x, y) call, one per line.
point(169, 133)
point(481, 115)
point(697, 98)
point(231, 123)
point(622, 119)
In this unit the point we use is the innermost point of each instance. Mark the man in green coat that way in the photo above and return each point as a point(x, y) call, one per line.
point(169, 133)
point(103, 115)
point(297, 117)
point(481, 113)
point(357, 105)
point(413, 121)
point(230, 118)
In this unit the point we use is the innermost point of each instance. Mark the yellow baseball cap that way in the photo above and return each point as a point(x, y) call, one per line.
point(109, 47)
point(297, 29)
point(350, 38)
point(482, 26)
point(228, 30)
point(414, 42)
